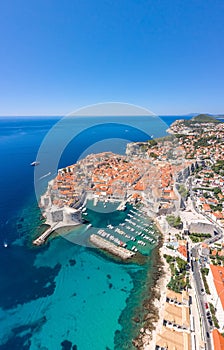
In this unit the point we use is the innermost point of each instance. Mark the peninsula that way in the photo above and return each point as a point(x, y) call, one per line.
point(137, 177)
point(178, 181)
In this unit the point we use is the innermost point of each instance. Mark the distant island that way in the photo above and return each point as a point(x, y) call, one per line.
point(202, 118)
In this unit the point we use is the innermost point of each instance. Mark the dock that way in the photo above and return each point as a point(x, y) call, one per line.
point(95, 201)
point(110, 247)
point(122, 206)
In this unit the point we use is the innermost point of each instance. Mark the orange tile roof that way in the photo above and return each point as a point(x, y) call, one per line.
point(218, 340)
point(214, 252)
point(204, 245)
point(206, 207)
point(218, 278)
point(182, 250)
point(218, 214)
point(135, 195)
point(139, 186)
point(219, 252)
point(109, 191)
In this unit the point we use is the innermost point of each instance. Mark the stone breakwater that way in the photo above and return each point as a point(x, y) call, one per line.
point(101, 243)
point(52, 229)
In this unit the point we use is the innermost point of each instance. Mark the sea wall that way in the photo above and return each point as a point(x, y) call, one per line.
point(101, 243)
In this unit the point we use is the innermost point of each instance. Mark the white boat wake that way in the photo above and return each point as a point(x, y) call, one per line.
point(42, 177)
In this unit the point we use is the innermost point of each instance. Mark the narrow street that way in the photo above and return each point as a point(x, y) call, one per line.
point(201, 298)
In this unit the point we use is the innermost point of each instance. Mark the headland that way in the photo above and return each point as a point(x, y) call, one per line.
point(158, 175)
point(138, 177)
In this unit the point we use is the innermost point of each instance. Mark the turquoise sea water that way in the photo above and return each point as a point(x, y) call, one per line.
point(61, 295)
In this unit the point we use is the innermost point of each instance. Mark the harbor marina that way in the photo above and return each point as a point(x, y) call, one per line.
point(131, 229)
point(120, 224)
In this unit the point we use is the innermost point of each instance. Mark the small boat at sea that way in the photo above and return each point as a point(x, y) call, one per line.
point(5, 244)
point(35, 163)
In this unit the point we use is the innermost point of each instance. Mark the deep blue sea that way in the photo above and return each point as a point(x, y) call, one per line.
point(62, 295)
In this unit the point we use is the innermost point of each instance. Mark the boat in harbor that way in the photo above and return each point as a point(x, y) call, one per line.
point(110, 226)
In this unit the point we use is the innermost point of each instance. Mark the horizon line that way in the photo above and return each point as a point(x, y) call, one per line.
point(62, 116)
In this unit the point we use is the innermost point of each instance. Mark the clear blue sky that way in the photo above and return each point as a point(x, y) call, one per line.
point(165, 55)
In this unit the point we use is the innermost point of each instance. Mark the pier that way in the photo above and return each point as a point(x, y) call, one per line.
point(95, 201)
point(122, 206)
point(102, 243)
point(42, 238)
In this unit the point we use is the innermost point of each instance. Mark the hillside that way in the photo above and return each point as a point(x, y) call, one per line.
point(200, 118)
point(204, 118)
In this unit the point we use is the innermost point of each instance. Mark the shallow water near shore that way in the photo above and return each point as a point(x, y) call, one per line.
point(61, 295)
point(69, 293)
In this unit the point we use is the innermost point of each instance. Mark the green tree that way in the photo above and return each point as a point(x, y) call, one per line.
point(153, 155)
point(217, 190)
point(152, 143)
point(174, 221)
point(181, 264)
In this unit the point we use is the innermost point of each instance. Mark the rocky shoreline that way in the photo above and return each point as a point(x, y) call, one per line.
point(153, 305)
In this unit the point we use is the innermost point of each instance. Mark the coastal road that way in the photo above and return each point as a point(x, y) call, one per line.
point(201, 299)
